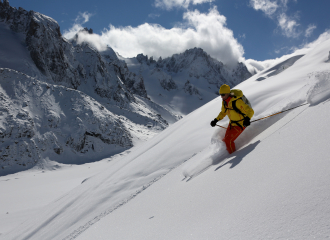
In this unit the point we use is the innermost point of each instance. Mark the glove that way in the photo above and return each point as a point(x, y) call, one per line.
point(214, 122)
point(246, 122)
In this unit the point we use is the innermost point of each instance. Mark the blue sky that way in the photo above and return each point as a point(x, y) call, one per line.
point(226, 29)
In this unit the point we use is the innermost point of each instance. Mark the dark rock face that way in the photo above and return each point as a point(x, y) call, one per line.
point(47, 50)
point(165, 80)
point(168, 84)
point(133, 82)
point(70, 64)
point(190, 89)
point(45, 43)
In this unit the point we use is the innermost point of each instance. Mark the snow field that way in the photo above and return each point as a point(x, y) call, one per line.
point(274, 187)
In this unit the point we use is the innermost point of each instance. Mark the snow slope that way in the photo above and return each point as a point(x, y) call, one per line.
point(275, 186)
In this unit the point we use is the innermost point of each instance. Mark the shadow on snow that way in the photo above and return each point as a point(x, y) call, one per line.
point(239, 156)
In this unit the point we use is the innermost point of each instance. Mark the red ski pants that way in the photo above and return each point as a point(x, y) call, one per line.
point(231, 134)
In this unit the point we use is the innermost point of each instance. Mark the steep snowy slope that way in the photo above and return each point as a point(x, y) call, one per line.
point(278, 175)
point(274, 188)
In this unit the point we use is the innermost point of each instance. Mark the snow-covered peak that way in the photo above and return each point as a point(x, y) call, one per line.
point(187, 80)
point(178, 62)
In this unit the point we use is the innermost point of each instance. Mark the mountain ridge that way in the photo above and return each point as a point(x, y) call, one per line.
point(33, 45)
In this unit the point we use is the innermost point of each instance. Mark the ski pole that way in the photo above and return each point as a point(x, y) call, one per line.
point(270, 115)
point(220, 126)
point(279, 112)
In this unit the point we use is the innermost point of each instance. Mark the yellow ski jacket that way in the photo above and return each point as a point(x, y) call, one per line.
point(231, 113)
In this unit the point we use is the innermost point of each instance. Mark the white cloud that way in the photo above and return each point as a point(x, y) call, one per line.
point(154, 15)
point(205, 30)
point(80, 19)
point(242, 36)
point(276, 10)
point(309, 30)
point(288, 26)
point(267, 6)
point(170, 4)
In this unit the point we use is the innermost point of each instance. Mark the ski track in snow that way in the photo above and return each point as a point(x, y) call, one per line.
point(214, 155)
point(83, 228)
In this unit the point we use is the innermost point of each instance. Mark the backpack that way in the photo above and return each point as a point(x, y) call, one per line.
point(236, 93)
point(245, 100)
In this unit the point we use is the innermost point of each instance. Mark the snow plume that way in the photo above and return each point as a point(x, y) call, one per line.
point(170, 4)
point(254, 65)
point(258, 66)
point(276, 10)
point(307, 46)
point(204, 30)
point(320, 90)
point(81, 19)
point(93, 39)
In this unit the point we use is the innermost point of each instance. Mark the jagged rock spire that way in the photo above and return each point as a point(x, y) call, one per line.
point(90, 31)
point(6, 3)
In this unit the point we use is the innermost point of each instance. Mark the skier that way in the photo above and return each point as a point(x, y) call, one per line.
point(238, 111)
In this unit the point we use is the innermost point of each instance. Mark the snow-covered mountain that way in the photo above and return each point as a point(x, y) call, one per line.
point(139, 101)
point(187, 80)
point(181, 184)
point(32, 51)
